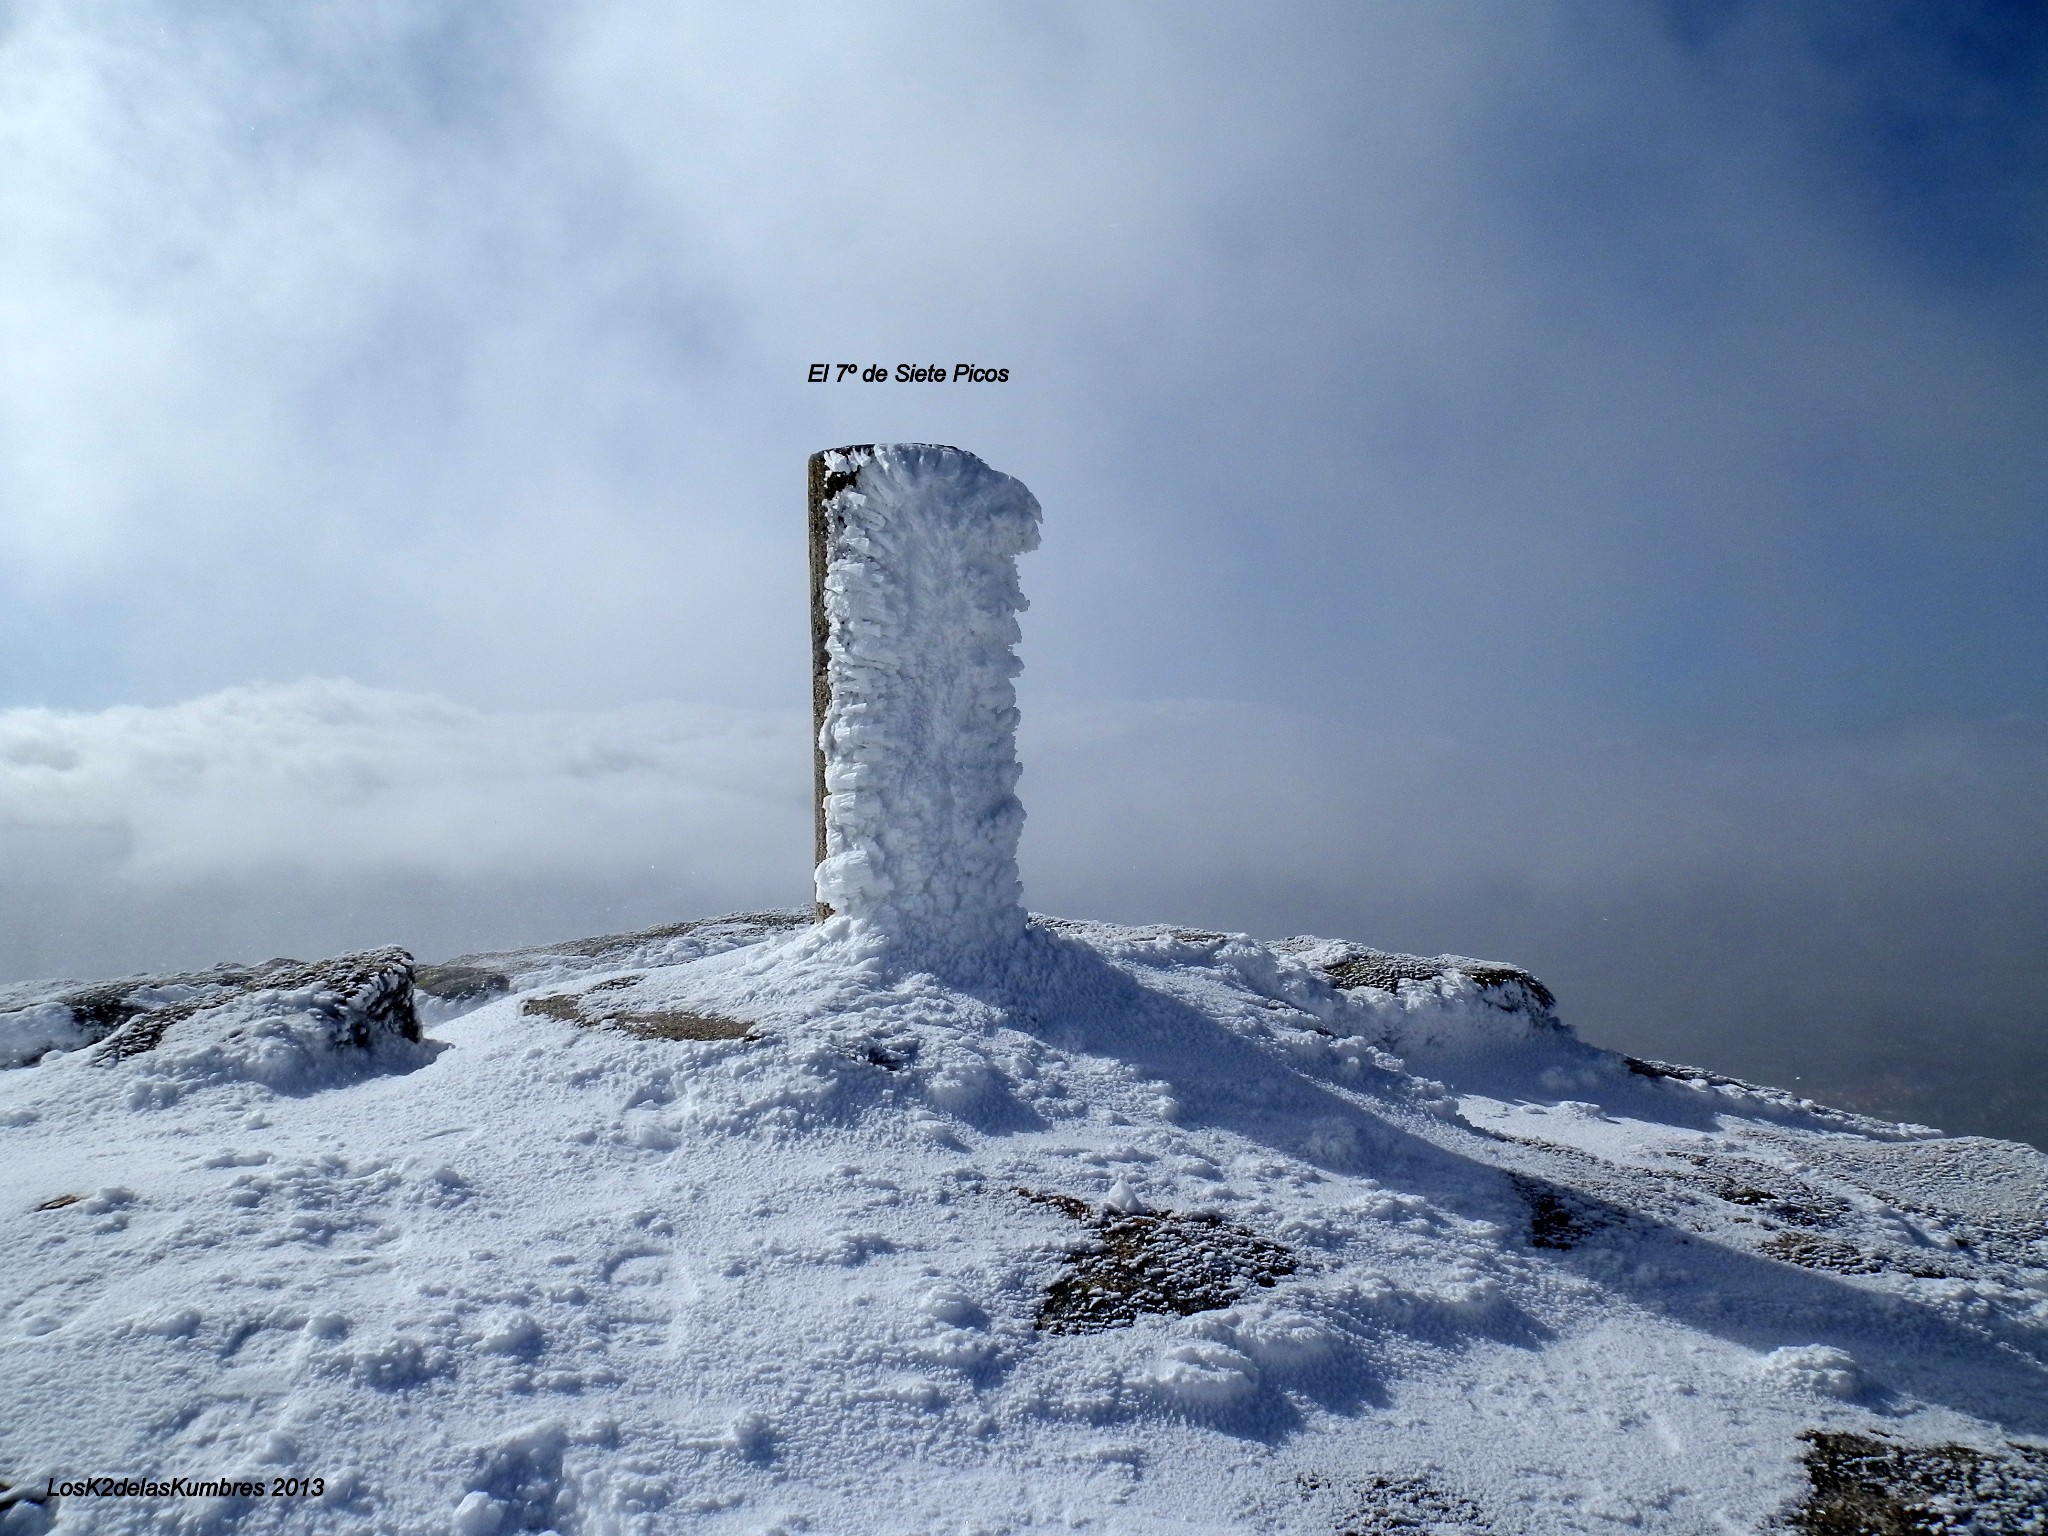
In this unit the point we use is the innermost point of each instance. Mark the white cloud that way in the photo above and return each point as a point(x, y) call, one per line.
point(332, 779)
point(1364, 347)
point(321, 816)
point(1246, 816)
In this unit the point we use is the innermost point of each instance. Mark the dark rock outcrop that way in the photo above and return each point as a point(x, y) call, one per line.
point(1153, 1261)
point(354, 999)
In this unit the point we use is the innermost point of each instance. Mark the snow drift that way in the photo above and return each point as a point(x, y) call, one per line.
point(1156, 1230)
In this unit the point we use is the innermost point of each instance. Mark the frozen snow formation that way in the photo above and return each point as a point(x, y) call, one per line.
point(1814, 1368)
point(919, 716)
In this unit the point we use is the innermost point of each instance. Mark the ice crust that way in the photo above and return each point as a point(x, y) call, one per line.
point(920, 736)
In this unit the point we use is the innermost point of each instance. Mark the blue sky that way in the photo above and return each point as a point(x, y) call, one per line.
point(1599, 395)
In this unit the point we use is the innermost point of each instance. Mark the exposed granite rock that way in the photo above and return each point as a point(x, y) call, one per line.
point(1863, 1485)
point(1153, 1261)
point(355, 998)
point(1506, 986)
point(461, 983)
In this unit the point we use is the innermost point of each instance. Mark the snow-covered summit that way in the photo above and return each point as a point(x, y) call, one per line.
point(737, 1226)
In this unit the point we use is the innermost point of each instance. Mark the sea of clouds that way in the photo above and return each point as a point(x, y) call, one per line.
point(1853, 915)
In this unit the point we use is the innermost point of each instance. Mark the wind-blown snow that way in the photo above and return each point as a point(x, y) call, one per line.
point(920, 735)
point(1443, 1265)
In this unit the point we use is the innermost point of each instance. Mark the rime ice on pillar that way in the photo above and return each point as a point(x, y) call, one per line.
point(914, 604)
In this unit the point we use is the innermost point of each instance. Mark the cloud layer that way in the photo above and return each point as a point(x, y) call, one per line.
point(1856, 915)
point(1565, 365)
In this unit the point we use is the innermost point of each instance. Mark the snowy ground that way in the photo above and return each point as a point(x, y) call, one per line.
point(735, 1229)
